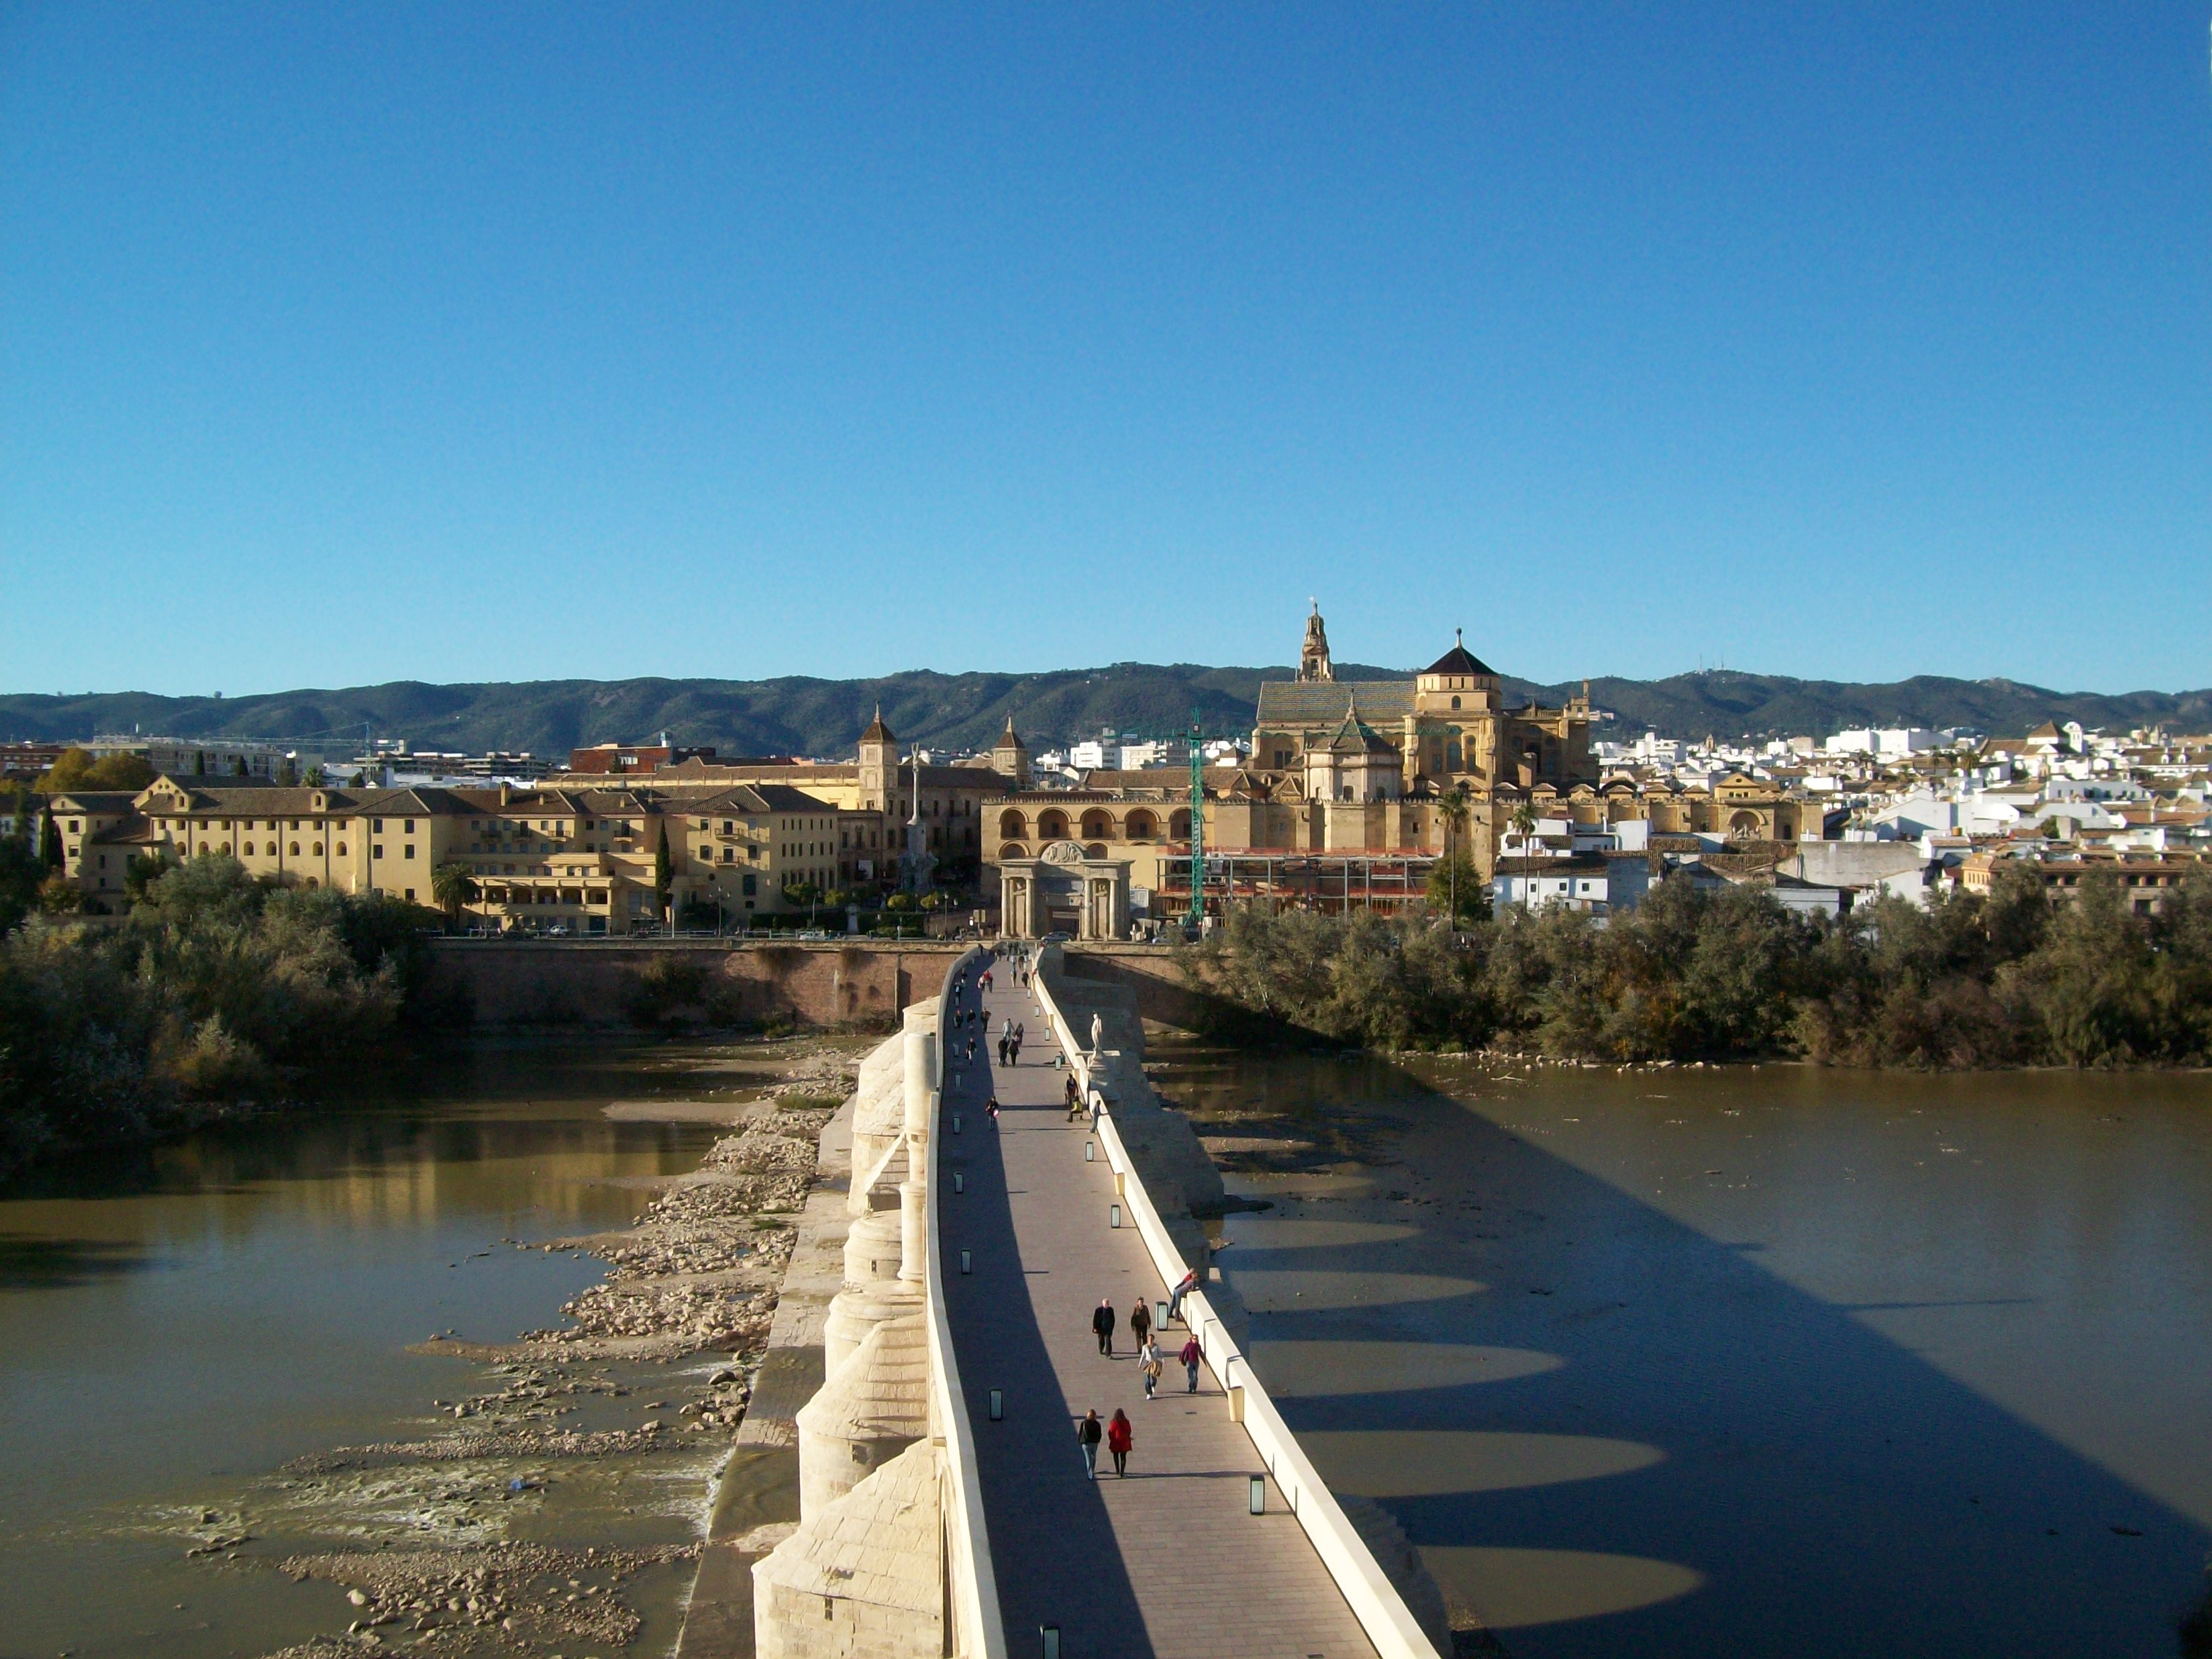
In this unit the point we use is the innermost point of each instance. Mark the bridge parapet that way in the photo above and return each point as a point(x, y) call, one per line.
point(1375, 1601)
point(896, 1564)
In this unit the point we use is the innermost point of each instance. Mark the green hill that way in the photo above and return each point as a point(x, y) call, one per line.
point(824, 717)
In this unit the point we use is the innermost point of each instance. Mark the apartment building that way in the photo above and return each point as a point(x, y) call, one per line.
point(586, 861)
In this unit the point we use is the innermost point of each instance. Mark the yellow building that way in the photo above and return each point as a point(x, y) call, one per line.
point(1355, 787)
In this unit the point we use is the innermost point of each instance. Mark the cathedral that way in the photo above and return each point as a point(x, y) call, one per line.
point(1356, 788)
point(1447, 726)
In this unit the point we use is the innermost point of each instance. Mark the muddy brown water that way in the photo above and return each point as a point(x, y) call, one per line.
point(180, 1322)
point(1772, 1362)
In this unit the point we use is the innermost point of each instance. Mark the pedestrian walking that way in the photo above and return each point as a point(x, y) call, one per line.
point(1140, 1323)
point(1005, 1051)
point(1074, 1100)
point(1150, 1362)
point(991, 1110)
point(1088, 1433)
point(1103, 1323)
point(1188, 1284)
point(1191, 1356)
point(1120, 1440)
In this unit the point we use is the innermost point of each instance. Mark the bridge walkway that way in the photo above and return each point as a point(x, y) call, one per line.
point(1168, 1562)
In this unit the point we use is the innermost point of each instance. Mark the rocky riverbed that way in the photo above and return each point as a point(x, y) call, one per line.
point(627, 1405)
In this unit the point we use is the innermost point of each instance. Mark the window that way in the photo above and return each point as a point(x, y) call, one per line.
point(295, 845)
point(342, 849)
point(751, 883)
point(376, 826)
point(411, 895)
point(410, 849)
point(377, 850)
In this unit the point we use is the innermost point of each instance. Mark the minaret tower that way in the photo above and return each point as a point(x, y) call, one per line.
point(1313, 657)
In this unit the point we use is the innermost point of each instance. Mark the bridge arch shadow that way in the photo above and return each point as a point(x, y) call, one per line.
point(1821, 1490)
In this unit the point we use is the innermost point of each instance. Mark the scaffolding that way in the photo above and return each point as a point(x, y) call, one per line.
point(1336, 883)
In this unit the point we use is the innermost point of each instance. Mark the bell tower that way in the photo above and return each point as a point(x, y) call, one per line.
point(1313, 656)
point(879, 764)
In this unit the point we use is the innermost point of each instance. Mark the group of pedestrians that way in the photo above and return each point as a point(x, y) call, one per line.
point(1120, 1435)
point(1010, 1036)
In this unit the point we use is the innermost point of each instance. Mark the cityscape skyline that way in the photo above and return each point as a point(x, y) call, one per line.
point(1847, 343)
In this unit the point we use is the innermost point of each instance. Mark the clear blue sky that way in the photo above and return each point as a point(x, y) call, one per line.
point(343, 344)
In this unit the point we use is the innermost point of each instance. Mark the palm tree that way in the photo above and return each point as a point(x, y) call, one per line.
point(454, 888)
point(1454, 808)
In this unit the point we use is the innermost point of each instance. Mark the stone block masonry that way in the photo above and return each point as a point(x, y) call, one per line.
point(834, 986)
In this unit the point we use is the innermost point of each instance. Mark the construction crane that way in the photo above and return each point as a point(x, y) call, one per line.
point(1196, 920)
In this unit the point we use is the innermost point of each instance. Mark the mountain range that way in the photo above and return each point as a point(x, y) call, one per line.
point(818, 717)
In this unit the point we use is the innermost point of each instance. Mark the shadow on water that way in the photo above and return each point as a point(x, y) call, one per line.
point(444, 1107)
point(1679, 1453)
point(33, 1262)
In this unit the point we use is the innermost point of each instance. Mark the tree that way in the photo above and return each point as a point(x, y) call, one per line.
point(199, 763)
point(1453, 810)
point(662, 873)
point(288, 774)
point(142, 872)
point(50, 840)
point(455, 888)
point(1455, 888)
point(60, 895)
point(76, 770)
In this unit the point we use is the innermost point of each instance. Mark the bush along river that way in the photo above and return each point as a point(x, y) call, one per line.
point(445, 1367)
point(1754, 1361)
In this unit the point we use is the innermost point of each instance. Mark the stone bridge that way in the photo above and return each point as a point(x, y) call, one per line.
point(937, 1328)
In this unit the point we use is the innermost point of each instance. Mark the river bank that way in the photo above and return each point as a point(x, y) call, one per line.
point(528, 1486)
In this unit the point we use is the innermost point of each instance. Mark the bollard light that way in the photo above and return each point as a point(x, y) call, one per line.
point(959, 1181)
point(998, 1406)
point(1160, 1309)
point(1259, 1499)
point(1090, 1152)
point(1048, 1642)
point(1113, 1215)
point(956, 1123)
point(967, 1262)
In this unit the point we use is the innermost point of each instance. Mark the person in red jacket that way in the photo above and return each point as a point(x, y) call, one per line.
point(1120, 1440)
point(1191, 1356)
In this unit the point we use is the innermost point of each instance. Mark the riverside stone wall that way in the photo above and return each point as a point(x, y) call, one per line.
point(832, 986)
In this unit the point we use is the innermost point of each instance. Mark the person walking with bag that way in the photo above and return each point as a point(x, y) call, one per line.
point(1120, 1440)
point(1191, 1356)
point(1088, 1434)
point(1102, 1322)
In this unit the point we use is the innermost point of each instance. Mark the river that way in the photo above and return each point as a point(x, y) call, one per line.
point(1757, 1362)
point(184, 1319)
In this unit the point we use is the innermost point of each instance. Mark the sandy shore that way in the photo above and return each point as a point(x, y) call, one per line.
point(701, 1273)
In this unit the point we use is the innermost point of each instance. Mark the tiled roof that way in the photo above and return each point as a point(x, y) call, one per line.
point(1458, 660)
point(1326, 702)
